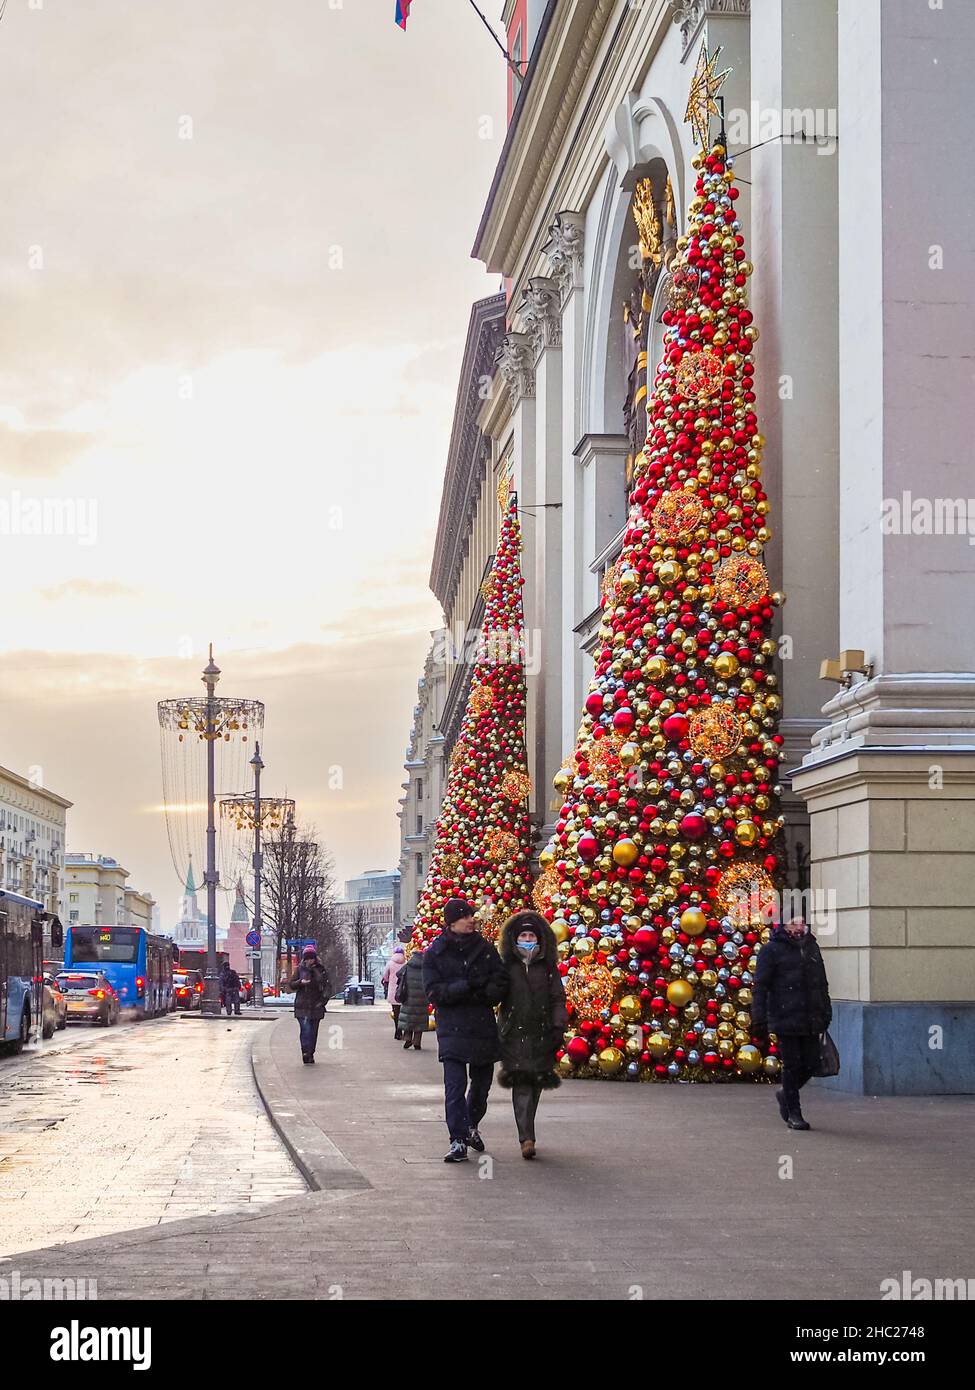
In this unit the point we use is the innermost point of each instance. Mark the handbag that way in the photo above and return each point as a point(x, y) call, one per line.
point(829, 1057)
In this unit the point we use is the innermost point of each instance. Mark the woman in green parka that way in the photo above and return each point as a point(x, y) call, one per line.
point(532, 1018)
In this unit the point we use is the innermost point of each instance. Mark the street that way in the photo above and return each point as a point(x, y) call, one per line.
point(109, 1129)
point(639, 1191)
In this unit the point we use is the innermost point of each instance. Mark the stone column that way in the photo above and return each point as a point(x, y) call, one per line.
point(602, 465)
point(541, 313)
point(890, 782)
point(565, 249)
point(794, 296)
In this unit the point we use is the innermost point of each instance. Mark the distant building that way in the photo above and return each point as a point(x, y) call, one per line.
point(240, 925)
point(423, 788)
point(377, 893)
point(191, 929)
point(32, 833)
point(97, 893)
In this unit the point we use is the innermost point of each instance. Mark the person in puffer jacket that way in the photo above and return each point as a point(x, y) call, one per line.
point(532, 1018)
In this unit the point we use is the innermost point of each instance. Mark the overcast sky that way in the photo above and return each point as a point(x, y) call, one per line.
point(235, 279)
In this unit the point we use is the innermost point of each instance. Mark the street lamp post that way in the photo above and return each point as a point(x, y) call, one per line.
point(210, 1004)
point(257, 992)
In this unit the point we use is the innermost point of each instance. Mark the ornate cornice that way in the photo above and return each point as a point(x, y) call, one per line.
point(541, 313)
point(561, 65)
point(466, 454)
point(565, 250)
point(691, 14)
point(516, 363)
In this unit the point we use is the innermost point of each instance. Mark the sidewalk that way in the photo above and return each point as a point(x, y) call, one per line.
point(682, 1192)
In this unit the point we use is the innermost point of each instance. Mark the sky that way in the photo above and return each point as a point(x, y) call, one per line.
point(235, 280)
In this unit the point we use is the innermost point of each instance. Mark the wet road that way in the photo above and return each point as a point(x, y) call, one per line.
point(110, 1129)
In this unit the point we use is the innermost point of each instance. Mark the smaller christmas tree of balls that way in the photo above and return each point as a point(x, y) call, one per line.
point(660, 880)
point(483, 838)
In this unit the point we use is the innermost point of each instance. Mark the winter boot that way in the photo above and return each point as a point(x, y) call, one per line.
point(783, 1106)
point(796, 1121)
point(528, 1148)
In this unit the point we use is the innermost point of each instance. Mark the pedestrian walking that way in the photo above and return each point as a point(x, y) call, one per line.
point(790, 998)
point(464, 980)
point(414, 1006)
point(230, 989)
point(532, 1018)
point(311, 988)
point(388, 981)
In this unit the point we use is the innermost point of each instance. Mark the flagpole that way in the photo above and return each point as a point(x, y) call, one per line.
point(507, 56)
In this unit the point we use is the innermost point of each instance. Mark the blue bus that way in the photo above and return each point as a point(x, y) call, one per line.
point(21, 955)
point(138, 965)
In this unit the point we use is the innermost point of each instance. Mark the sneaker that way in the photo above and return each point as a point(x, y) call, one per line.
point(304, 1056)
point(528, 1148)
point(783, 1107)
point(797, 1122)
point(457, 1154)
point(474, 1141)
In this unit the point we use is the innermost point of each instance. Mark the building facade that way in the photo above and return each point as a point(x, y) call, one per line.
point(32, 836)
point(375, 895)
point(97, 893)
point(425, 772)
point(864, 360)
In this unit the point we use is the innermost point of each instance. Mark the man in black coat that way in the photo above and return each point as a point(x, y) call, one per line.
point(791, 999)
point(464, 980)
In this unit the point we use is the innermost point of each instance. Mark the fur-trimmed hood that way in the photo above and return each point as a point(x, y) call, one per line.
point(528, 921)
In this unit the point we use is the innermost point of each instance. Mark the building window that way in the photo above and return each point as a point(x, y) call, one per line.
point(419, 823)
point(419, 789)
point(517, 59)
point(72, 897)
point(419, 866)
point(73, 915)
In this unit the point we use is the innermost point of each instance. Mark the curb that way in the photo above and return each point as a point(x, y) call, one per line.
point(323, 1166)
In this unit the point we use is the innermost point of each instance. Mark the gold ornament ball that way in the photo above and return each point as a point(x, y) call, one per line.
point(565, 1066)
point(679, 993)
point(693, 921)
point(771, 1066)
point(726, 665)
point(626, 853)
point(609, 1061)
point(658, 1045)
point(746, 833)
point(547, 857)
point(749, 1058)
point(560, 930)
point(634, 1046)
point(630, 1009)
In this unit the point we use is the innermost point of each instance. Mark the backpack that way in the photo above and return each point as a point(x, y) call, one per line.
point(399, 996)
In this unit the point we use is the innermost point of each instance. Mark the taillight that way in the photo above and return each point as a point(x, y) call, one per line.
point(97, 993)
point(140, 984)
point(199, 989)
point(182, 991)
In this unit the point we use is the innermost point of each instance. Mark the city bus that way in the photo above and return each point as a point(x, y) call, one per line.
point(21, 955)
point(138, 965)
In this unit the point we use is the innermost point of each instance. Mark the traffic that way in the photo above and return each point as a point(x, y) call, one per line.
point(106, 975)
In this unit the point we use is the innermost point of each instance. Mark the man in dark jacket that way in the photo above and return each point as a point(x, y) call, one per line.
point(464, 980)
point(791, 1000)
point(230, 989)
point(311, 990)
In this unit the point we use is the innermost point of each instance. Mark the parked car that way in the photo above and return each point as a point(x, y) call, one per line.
point(55, 1006)
point(358, 992)
point(89, 996)
point(188, 989)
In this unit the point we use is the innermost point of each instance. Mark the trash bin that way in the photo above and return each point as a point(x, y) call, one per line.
point(353, 994)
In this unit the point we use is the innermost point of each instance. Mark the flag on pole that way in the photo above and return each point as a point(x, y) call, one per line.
point(403, 12)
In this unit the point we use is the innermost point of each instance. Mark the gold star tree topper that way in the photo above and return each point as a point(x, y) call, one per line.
point(701, 105)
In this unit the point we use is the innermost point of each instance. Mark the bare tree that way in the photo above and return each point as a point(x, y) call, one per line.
point(298, 898)
point(362, 936)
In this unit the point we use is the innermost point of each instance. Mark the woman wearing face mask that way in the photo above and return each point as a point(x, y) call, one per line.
point(532, 1018)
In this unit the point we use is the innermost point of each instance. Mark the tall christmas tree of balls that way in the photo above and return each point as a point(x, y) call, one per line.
point(483, 839)
point(661, 877)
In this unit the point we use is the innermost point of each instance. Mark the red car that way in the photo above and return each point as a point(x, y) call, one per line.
point(188, 989)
